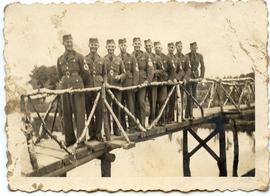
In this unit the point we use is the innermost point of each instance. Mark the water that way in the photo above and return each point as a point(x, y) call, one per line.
point(162, 157)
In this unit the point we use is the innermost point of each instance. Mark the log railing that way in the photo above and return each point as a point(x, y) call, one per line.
point(243, 87)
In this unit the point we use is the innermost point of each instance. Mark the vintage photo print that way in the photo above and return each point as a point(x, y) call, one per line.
point(137, 96)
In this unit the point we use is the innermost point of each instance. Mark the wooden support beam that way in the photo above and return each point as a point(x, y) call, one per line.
point(186, 157)
point(235, 150)
point(207, 148)
point(222, 163)
point(106, 160)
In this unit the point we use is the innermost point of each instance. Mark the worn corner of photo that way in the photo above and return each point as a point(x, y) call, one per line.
point(137, 96)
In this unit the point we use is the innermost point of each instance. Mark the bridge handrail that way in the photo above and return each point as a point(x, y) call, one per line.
point(94, 89)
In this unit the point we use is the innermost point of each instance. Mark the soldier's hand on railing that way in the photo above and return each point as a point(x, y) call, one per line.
point(170, 81)
point(117, 77)
point(174, 80)
point(184, 81)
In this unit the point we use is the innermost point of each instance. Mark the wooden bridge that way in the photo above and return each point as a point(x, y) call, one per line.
point(50, 157)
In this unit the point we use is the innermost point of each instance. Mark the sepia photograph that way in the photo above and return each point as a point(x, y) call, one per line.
point(137, 96)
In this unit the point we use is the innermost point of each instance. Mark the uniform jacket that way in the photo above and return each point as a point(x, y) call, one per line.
point(114, 67)
point(145, 66)
point(175, 65)
point(132, 70)
point(183, 71)
point(166, 68)
point(71, 70)
point(157, 68)
point(96, 69)
point(196, 60)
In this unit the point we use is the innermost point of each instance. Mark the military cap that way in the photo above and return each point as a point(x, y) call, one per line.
point(66, 37)
point(157, 43)
point(193, 43)
point(93, 40)
point(122, 41)
point(136, 39)
point(147, 41)
point(110, 41)
point(178, 42)
point(170, 44)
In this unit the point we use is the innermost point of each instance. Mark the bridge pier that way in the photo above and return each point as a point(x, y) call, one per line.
point(222, 161)
point(186, 156)
point(105, 165)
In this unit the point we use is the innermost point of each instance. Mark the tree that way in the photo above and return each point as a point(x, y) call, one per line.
point(44, 77)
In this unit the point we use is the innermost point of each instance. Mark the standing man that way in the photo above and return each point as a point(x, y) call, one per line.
point(183, 72)
point(72, 73)
point(97, 73)
point(145, 66)
point(132, 78)
point(152, 91)
point(164, 76)
point(116, 74)
point(195, 60)
point(175, 62)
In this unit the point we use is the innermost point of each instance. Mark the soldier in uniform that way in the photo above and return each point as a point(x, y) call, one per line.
point(97, 72)
point(132, 78)
point(166, 68)
point(183, 72)
point(195, 60)
point(175, 62)
point(116, 74)
point(72, 74)
point(145, 66)
point(152, 91)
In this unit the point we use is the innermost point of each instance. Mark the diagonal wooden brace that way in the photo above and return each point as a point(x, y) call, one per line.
point(203, 142)
point(117, 121)
point(207, 148)
point(162, 109)
point(137, 122)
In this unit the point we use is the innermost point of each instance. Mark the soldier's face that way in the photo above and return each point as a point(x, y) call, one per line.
point(110, 48)
point(68, 44)
point(137, 45)
point(93, 48)
point(148, 47)
point(179, 47)
point(193, 48)
point(158, 49)
point(123, 47)
point(171, 49)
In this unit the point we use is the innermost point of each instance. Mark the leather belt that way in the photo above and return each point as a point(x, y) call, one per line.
point(68, 74)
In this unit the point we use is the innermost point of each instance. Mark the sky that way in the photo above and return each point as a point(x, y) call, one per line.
point(231, 36)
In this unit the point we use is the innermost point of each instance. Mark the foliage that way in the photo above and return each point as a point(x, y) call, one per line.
point(44, 77)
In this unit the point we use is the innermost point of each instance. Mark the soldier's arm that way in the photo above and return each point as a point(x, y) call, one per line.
point(123, 73)
point(171, 70)
point(84, 69)
point(104, 70)
point(158, 71)
point(59, 72)
point(150, 69)
point(202, 66)
point(135, 71)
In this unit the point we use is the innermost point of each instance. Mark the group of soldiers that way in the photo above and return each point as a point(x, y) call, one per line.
point(123, 70)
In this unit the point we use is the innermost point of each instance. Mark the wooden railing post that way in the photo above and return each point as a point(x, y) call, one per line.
point(105, 119)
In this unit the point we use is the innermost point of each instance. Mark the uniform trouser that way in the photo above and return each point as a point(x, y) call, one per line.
point(152, 96)
point(116, 110)
point(128, 100)
point(95, 125)
point(192, 89)
point(171, 105)
point(162, 95)
point(73, 104)
point(141, 105)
